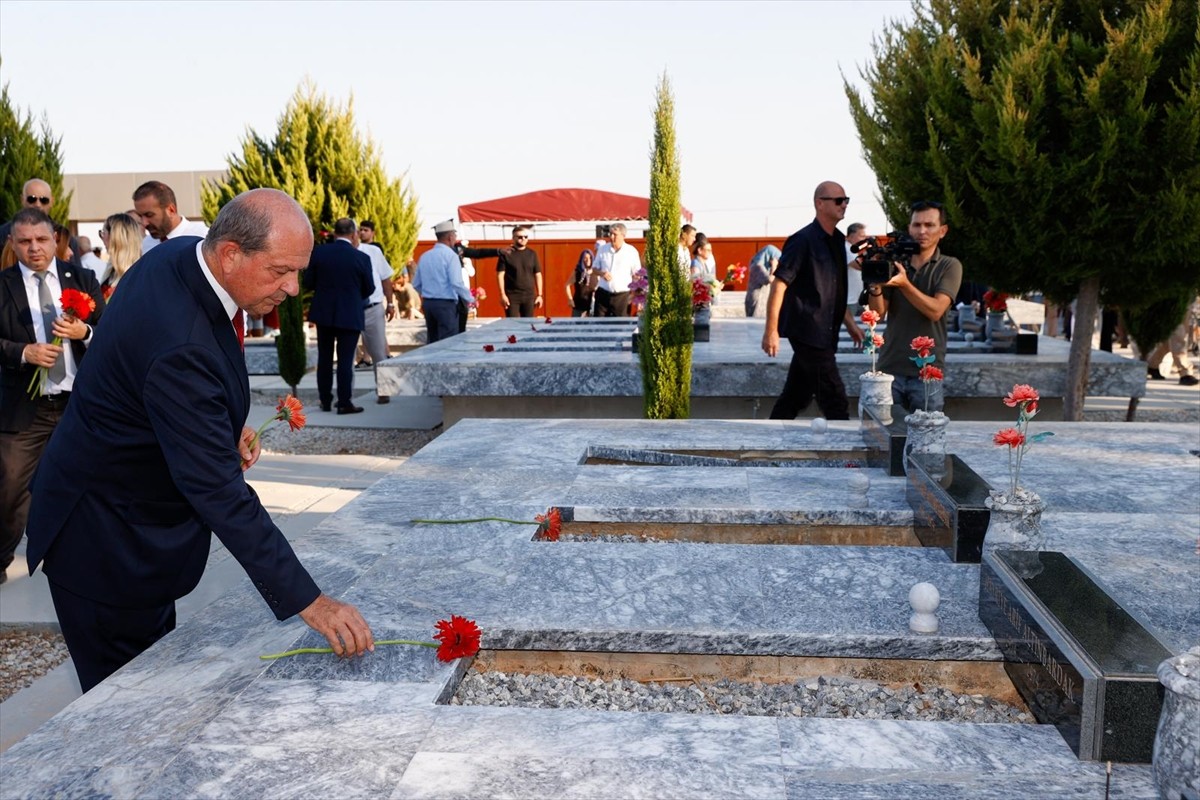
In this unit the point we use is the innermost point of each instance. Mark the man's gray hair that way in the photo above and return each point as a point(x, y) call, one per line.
point(246, 224)
point(618, 226)
point(854, 228)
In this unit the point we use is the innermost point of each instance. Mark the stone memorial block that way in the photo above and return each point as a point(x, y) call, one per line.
point(1081, 662)
point(947, 499)
point(887, 436)
point(1027, 344)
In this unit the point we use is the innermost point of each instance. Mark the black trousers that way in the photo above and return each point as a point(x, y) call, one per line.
point(813, 373)
point(520, 305)
point(346, 342)
point(441, 319)
point(104, 638)
point(19, 456)
point(611, 304)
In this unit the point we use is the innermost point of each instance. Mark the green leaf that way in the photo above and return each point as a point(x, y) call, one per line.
point(1037, 437)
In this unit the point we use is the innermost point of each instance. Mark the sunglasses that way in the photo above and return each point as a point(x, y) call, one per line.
point(522, 238)
point(32, 199)
point(840, 201)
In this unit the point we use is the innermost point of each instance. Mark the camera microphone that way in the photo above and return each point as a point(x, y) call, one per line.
point(870, 240)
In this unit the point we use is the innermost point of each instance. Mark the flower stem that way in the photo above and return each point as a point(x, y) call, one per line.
point(301, 650)
point(476, 519)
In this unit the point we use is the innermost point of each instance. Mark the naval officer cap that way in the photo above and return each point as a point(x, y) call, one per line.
point(444, 227)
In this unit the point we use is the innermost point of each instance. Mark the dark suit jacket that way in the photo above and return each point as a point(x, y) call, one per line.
point(16, 331)
point(813, 265)
point(144, 462)
point(340, 278)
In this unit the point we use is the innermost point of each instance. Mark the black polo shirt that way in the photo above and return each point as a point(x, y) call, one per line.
point(813, 266)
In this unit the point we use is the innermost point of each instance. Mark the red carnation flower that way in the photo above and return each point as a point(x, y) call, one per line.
point(77, 304)
point(1021, 393)
point(459, 638)
point(291, 411)
point(930, 373)
point(877, 340)
point(487, 348)
point(1009, 436)
point(869, 317)
point(512, 339)
point(550, 524)
point(922, 344)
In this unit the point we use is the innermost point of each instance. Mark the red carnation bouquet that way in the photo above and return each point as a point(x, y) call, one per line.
point(1024, 398)
point(995, 301)
point(924, 359)
point(701, 294)
point(457, 637)
point(77, 305)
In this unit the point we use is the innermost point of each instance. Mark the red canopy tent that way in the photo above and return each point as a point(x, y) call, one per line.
point(559, 205)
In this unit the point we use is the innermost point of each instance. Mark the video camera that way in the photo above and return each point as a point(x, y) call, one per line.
point(881, 251)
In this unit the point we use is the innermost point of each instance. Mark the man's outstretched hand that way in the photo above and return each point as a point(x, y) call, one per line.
point(341, 624)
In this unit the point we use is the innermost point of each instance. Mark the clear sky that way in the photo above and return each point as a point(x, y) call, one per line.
point(473, 100)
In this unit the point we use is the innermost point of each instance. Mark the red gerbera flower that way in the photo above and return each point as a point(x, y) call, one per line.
point(459, 638)
point(1009, 436)
point(869, 317)
point(1021, 393)
point(930, 373)
point(922, 344)
point(512, 339)
point(487, 348)
point(77, 304)
point(550, 524)
point(291, 411)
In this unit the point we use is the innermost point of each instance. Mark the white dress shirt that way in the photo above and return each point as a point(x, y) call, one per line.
point(854, 284)
point(381, 271)
point(227, 301)
point(39, 327)
point(185, 228)
point(621, 263)
point(94, 263)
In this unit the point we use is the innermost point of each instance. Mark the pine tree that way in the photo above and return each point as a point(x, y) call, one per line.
point(1062, 136)
point(28, 153)
point(318, 157)
point(665, 338)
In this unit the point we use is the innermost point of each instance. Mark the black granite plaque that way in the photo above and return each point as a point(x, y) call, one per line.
point(947, 498)
point(1081, 662)
point(1027, 344)
point(886, 436)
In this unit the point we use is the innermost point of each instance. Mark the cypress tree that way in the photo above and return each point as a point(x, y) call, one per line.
point(26, 152)
point(1062, 136)
point(290, 345)
point(665, 339)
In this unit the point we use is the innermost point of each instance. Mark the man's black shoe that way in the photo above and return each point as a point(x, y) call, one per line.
point(350, 409)
point(1189, 380)
point(1155, 375)
point(327, 406)
point(383, 399)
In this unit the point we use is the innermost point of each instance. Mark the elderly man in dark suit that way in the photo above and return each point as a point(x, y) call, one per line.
point(30, 306)
point(147, 462)
point(340, 277)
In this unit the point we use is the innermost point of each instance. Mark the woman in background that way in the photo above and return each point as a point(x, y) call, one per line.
point(582, 286)
point(704, 266)
point(122, 235)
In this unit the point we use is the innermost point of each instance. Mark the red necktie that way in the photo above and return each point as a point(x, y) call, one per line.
point(239, 327)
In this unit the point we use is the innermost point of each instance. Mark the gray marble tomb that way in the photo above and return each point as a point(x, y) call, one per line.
point(199, 715)
point(587, 368)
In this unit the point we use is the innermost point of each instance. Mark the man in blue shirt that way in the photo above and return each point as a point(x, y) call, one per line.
point(440, 284)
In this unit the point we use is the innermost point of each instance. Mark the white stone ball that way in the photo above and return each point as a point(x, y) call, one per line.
point(860, 482)
point(820, 425)
point(924, 598)
point(968, 337)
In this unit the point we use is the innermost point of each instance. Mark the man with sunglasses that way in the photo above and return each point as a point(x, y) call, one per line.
point(36, 193)
point(807, 304)
point(916, 306)
point(520, 277)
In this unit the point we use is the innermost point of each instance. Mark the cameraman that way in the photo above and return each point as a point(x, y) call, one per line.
point(915, 305)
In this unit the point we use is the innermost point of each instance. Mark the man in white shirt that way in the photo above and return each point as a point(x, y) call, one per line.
point(374, 338)
point(154, 203)
point(616, 264)
point(89, 259)
point(854, 285)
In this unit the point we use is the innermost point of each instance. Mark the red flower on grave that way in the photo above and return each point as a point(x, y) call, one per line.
point(1009, 436)
point(1020, 394)
point(877, 340)
point(550, 524)
point(995, 301)
point(869, 317)
point(459, 638)
point(930, 373)
point(487, 348)
point(77, 304)
point(923, 345)
point(512, 339)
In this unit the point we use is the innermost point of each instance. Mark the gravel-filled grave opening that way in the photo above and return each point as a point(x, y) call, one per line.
point(735, 533)
point(849, 457)
point(839, 688)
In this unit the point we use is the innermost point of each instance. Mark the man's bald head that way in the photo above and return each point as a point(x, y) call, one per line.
point(40, 191)
point(830, 201)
